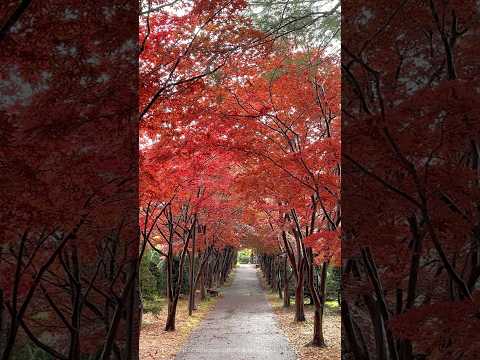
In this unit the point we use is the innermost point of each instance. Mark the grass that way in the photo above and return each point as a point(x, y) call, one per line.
point(158, 344)
point(154, 305)
point(332, 305)
point(299, 334)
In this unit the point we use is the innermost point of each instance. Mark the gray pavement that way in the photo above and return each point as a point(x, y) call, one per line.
point(240, 327)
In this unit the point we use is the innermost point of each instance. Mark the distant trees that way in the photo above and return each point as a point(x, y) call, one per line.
point(240, 143)
point(245, 256)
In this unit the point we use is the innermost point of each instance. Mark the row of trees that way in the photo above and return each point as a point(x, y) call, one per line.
point(278, 276)
point(196, 227)
point(213, 81)
point(410, 156)
point(153, 276)
point(239, 123)
point(241, 138)
point(68, 229)
point(295, 174)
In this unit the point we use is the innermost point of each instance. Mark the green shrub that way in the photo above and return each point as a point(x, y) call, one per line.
point(333, 283)
point(153, 275)
point(244, 256)
point(153, 305)
point(30, 351)
point(148, 280)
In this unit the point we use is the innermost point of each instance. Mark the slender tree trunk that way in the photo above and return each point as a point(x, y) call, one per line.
point(319, 301)
point(298, 272)
point(172, 305)
point(191, 298)
point(381, 343)
point(14, 325)
point(318, 339)
point(215, 271)
point(299, 295)
point(226, 266)
point(172, 313)
point(15, 315)
point(74, 352)
point(380, 304)
point(199, 279)
point(352, 338)
point(286, 290)
point(134, 317)
point(2, 321)
point(115, 321)
point(203, 293)
point(170, 273)
point(278, 274)
point(299, 298)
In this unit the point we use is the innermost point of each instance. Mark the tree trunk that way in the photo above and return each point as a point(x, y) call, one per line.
point(191, 298)
point(286, 290)
point(172, 304)
point(74, 351)
point(319, 301)
point(172, 313)
point(299, 307)
point(134, 318)
point(203, 292)
point(279, 277)
point(353, 340)
point(318, 339)
point(199, 278)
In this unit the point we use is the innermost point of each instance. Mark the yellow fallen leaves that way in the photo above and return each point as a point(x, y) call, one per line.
point(155, 343)
point(299, 334)
point(158, 344)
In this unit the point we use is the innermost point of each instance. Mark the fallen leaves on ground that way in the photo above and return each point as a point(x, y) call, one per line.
point(299, 334)
point(158, 344)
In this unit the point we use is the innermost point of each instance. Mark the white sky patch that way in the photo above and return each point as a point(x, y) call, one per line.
point(365, 16)
point(146, 141)
point(103, 78)
point(14, 90)
point(176, 8)
point(93, 60)
point(70, 14)
point(108, 12)
point(64, 50)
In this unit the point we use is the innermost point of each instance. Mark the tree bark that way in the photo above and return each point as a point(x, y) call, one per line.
point(286, 290)
point(299, 297)
point(172, 313)
point(191, 298)
point(318, 299)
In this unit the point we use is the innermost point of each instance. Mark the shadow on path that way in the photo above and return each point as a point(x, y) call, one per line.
point(240, 327)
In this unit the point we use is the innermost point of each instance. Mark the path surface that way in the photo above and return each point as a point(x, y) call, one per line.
point(240, 327)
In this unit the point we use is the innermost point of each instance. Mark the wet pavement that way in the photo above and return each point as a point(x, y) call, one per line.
point(240, 327)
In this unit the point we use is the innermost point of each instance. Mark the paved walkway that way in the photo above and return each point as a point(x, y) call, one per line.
point(241, 327)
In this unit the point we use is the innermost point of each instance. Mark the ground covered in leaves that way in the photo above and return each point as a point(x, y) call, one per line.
point(300, 333)
point(158, 344)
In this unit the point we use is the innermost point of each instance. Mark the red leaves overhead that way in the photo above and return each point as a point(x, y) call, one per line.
point(260, 133)
point(411, 159)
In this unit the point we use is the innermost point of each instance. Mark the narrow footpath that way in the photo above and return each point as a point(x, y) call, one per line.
point(240, 327)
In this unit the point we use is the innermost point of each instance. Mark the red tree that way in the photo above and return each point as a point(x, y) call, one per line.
point(410, 245)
